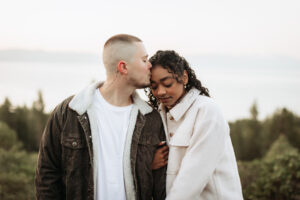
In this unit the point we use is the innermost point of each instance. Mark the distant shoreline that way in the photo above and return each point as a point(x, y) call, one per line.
point(209, 60)
point(47, 56)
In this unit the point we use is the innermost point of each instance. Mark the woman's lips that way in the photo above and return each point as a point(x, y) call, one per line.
point(164, 100)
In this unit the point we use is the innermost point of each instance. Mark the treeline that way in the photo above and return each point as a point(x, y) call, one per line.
point(267, 151)
point(17, 167)
point(28, 123)
point(21, 128)
point(276, 176)
point(252, 138)
point(268, 155)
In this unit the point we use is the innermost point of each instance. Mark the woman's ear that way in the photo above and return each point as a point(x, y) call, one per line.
point(122, 68)
point(185, 77)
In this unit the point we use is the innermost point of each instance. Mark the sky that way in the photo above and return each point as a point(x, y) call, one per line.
point(255, 42)
point(228, 27)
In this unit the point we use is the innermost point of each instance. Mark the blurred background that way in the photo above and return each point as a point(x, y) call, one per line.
point(247, 53)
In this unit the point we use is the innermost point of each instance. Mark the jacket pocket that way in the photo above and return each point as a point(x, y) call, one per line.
point(73, 143)
point(176, 154)
point(75, 157)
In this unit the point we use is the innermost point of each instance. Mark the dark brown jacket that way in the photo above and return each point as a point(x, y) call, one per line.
point(65, 162)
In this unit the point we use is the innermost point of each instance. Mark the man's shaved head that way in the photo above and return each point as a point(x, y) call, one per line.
point(117, 48)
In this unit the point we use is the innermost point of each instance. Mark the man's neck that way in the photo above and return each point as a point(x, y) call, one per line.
point(116, 92)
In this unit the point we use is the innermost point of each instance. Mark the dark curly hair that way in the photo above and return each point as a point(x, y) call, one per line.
point(175, 64)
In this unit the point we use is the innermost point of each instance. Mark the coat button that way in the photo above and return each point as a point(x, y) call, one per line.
point(171, 134)
point(171, 118)
point(74, 144)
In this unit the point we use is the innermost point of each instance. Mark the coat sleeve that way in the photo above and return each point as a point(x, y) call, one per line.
point(159, 176)
point(202, 155)
point(48, 178)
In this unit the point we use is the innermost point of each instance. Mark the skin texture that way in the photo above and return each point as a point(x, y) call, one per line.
point(129, 76)
point(139, 68)
point(116, 52)
point(161, 156)
point(168, 91)
point(166, 88)
point(65, 167)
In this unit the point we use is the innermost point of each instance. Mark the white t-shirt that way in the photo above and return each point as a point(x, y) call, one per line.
point(112, 124)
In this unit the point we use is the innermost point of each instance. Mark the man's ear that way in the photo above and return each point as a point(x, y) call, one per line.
point(185, 77)
point(122, 68)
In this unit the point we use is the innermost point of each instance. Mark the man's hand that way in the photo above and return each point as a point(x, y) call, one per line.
point(161, 156)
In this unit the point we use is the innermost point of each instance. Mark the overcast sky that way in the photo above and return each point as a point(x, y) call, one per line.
point(232, 27)
point(245, 50)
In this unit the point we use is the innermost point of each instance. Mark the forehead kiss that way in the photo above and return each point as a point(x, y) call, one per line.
point(167, 87)
point(161, 75)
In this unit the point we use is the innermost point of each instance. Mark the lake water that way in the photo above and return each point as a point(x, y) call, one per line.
point(234, 88)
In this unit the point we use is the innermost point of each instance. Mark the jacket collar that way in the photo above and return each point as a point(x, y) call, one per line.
point(84, 99)
point(180, 108)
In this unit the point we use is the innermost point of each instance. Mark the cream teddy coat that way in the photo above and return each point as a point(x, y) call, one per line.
point(202, 163)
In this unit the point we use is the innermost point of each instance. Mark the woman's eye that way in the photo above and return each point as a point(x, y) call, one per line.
point(153, 87)
point(168, 85)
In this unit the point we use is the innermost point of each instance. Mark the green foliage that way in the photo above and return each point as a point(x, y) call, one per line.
point(8, 137)
point(276, 176)
point(280, 147)
point(249, 171)
point(269, 156)
point(19, 127)
point(252, 138)
point(254, 111)
point(17, 167)
point(282, 122)
point(6, 113)
point(246, 137)
point(28, 123)
point(267, 150)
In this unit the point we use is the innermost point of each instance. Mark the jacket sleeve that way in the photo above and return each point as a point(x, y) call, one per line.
point(48, 179)
point(202, 155)
point(159, 176)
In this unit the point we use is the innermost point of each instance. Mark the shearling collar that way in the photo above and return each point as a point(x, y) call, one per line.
point(83, 100)
point(180, 108)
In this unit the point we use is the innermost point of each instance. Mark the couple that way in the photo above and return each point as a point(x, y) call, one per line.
point(105, 143)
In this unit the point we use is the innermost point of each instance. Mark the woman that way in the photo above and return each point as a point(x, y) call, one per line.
point(201, 163)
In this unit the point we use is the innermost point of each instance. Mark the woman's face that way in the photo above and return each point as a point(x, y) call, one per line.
point(165, 87)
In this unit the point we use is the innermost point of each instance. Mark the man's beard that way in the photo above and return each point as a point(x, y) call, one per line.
point(139, 85)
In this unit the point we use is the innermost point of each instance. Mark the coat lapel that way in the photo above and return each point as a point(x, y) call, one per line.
point(82, 104)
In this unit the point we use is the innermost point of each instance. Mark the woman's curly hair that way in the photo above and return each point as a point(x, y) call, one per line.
point(175, 64)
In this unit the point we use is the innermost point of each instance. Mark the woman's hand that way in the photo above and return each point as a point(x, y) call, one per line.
point(161, 156)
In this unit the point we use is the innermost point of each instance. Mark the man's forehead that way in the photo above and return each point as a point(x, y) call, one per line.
point(141, 50)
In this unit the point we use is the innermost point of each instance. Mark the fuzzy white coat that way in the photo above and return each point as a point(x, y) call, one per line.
point(202, 164)
point(82, 102)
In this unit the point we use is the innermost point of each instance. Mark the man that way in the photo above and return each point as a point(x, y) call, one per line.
point(100, 143)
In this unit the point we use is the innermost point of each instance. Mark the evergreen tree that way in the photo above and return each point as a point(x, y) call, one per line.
point(27, 122)
point(246, 135)
point(6, 113)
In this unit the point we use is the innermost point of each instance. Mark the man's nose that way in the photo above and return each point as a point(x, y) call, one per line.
point(149, 64)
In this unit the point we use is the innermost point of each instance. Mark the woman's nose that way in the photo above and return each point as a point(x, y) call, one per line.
point(161, 91)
